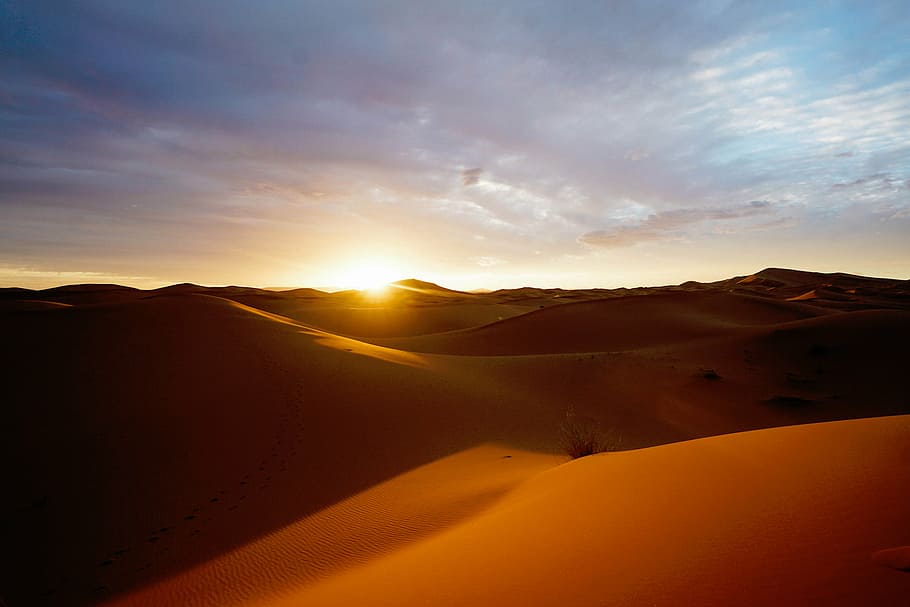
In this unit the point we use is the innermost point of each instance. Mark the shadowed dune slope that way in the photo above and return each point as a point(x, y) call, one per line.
point(622, 323)
point(836, 366)
point(788, 516)
point(86, 294)
point(803, 278)
point(17, 305)
point(831, 290)
point(141, 438)
point(358, 530)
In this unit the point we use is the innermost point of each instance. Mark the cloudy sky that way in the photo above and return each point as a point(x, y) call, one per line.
point(477, 144)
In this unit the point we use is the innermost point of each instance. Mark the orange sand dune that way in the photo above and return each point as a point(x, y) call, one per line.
point(789, 516)
point(358, 530)
point(813, 294)
point(196, 445)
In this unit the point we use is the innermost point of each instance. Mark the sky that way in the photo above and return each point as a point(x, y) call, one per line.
point(476, 144)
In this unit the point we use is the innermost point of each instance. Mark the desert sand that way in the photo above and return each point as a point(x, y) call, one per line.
point(237, 446)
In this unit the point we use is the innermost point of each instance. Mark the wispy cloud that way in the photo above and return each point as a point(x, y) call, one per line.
point(670, 224)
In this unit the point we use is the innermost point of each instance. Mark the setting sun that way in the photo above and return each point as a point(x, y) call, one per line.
point(368, 275)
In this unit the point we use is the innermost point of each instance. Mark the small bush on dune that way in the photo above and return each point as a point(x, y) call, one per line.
point(582, 436)
point(579, 441)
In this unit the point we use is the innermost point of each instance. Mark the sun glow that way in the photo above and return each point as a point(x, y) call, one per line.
point(369, 275)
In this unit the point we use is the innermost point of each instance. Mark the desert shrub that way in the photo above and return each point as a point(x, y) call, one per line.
point(583, 436)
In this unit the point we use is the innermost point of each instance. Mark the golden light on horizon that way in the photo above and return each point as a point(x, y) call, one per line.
point(371, 275)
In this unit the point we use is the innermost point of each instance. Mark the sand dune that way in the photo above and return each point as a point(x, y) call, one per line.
point(789, 516)
point(217, 445)
point(85, 294)
point(186, 426)
point(365, 320)
point(30, 304)
point(406, 308)
point(622, 323)
point(834, 290)
point(361, 529)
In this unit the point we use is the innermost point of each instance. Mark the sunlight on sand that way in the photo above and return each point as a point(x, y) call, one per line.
point(398, 357)
point(345, 344)
point(402, 510)
point(670, 525)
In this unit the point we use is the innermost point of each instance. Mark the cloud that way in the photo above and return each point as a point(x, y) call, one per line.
point(668, 224)
point(470, 177)
point(880, 179)
point(636, 155)
point(138, 124)
point(486, 262)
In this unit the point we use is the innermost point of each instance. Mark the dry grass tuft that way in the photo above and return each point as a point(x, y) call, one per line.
point(582, 436)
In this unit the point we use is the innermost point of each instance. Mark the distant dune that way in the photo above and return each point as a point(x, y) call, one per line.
point(620, 323)
point(200, 445)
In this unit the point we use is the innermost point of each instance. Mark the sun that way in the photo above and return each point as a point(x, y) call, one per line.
point(369, 275)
